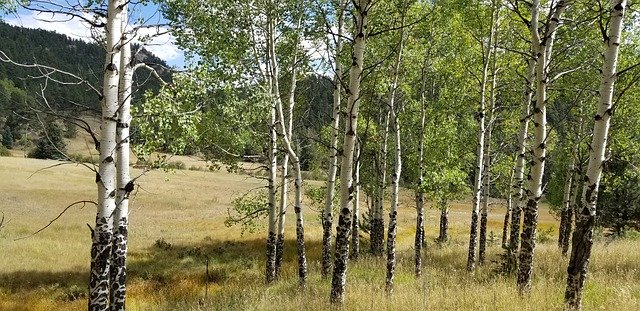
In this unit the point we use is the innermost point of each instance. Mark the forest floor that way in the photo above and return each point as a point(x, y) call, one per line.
point(177, 225)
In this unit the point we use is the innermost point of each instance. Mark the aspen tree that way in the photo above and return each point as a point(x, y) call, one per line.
point(118, 273)
point(339, 279)
point(327, 215)
point(105, 179)
point(582, 240)
point(542, 47)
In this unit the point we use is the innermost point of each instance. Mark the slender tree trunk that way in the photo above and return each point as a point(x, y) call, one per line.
point(285, 135)
point(393, 213)
point(443, 234)
point(487, 167)
point(395, 178)
point(419, 239)
point(273, 164)
point(355, 228)
point(377, 221)
point(566, 206)
point(105, 179)
point(583, 236)
point(339, 279)
point(118, 273)
point(477, 187)
point(542, 49)
point(482, 244)
point(517, 187)
point(327, 217)
point(285, 164)
point(282, 213)
point(568, 231)
point(505, 224)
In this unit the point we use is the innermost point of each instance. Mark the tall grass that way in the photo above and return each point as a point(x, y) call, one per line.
point(177, 228)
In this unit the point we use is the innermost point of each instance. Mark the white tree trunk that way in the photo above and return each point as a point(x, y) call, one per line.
point(566, 204)
point(327, 216)
point(571, 211)
point(505, 224)
point(118, 273)
point(542, 48)
point(105, 179)
point(355, 227)
point(583, 235)
point(339, 278)
point(477, 187)
point(419, 238)
point(517, 188)
point(285, 134)
point(482, 247)
point(282, 213)
point(377, 220)
point(273, 164)
point(395, 178)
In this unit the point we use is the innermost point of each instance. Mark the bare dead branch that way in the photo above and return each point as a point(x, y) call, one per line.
point(83, 202)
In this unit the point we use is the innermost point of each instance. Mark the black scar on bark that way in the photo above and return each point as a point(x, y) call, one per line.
point(129, 186)
point(111, 67)
point(619, 7)
point(108, 159)
point(98, 177)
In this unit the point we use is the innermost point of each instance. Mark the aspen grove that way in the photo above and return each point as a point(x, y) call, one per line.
point(356, 154)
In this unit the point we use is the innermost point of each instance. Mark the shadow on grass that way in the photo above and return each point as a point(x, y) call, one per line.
point(163, 263)
point(33, 279)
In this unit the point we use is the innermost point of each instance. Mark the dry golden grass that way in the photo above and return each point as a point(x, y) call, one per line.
point(186, 209)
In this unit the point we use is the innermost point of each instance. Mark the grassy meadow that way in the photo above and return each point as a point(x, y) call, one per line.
point(176, 226)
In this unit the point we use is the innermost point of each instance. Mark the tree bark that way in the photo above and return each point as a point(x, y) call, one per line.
point(542, 48)
point(105, 179)
point(282, 214)
point(443, 234)
point(487, 166)
point(377, 221)
point(571, 211)
point(338, 282)
point(355, 228)
point(419, 238)
point(395, 178)
point(118, 271)
point(327, 217)
point(582, 241)
point(285, 136)
point(505, 223)
point(566, 206)
point(479, 170)
point(273, 165)
point(518, 185)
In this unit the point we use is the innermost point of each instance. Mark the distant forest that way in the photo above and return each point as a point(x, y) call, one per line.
point(21, 88)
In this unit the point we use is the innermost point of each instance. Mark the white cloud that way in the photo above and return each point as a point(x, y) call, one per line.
point(158, 40)
point(74, 28)
point(160, 43)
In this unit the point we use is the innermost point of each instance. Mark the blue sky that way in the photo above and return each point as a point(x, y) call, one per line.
point(162, 46)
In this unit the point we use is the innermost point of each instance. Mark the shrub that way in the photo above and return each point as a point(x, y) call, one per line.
point(544, 235)
point(162, 244)
point(4, 152)
point(176, 165)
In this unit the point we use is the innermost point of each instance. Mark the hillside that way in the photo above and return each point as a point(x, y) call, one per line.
point(21, 88)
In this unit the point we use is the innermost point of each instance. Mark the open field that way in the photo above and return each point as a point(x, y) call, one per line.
point(186, 209)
